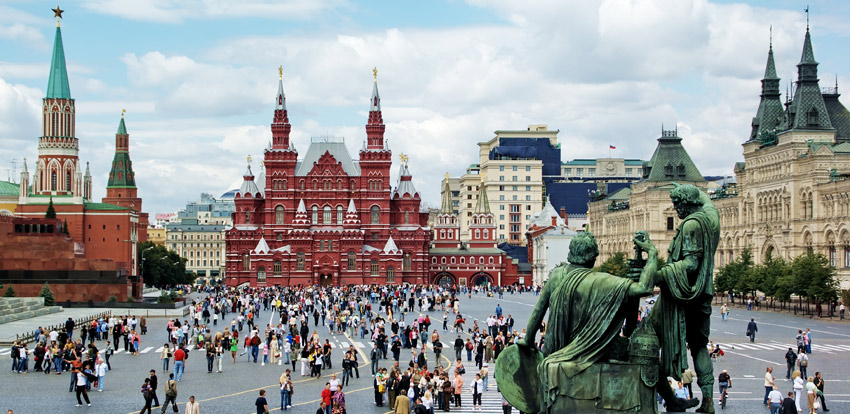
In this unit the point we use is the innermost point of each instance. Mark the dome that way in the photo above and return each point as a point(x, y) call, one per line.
point(230, 195)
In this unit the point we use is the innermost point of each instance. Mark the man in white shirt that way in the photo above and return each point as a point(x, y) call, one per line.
point(192, 407)
point(334, 384)
point(775, 400)
point(769, 383)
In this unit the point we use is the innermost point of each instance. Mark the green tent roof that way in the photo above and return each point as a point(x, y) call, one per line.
point(9, 189)
point(671, 161)
point(57, 85)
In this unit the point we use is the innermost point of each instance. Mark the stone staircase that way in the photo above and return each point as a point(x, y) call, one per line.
point(13, 309)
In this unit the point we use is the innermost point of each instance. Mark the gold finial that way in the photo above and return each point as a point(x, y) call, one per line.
point(375, 73)
point(122, 113)
point(447, 176)
point(249, 159)
point(57, 13)
point(403, 158)
point(280, 71)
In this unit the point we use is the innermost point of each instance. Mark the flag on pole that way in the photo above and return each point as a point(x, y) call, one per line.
point(611, 147)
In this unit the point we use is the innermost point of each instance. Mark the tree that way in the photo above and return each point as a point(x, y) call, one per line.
point(814, 278)
point(65, 228)
point(51, 212)
point(162, 267)
point(45, 293)
point(615, 265)
point(9, 293)
point(729, 278)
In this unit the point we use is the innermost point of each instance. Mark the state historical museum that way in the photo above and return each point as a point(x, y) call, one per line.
point(327, 219)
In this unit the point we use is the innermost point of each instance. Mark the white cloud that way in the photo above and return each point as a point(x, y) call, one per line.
point(177, 11)
point(603, 73)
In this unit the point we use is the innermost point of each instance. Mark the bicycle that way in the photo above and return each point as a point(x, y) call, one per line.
point(724, 395)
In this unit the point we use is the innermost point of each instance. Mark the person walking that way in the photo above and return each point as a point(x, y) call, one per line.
point(820, 383)
point(788, 405)
point(808, 336)
point(841, 311)
point(458, 347)
point(769, 383)
point(154, 384)
point(170, 394)
point(812, 395)
point(374, 356)
point(402, 403)
point(804, 364)
point(799, 384)
point(724, 312)
point(165, 356)
point(100, 370)
point(688, 377)
point(457, 384)
point(261, 403)
point(752, 328)
point(775, 400)
point(285, 390)
point(477, 388)
point(791, 362)
point(192, 407)
point(146, 392)
point(81, 382)
point(179, 361)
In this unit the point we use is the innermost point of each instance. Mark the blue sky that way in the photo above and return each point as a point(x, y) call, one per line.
point(198, 78)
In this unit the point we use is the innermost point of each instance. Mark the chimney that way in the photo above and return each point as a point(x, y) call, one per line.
point(564, 213)
point(554, 221)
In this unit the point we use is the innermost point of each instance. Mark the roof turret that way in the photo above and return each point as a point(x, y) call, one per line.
point(248, 184)
point(770, 113)
point(446, 207)
point(405, 180)
point(807, 110)
point(482, 206)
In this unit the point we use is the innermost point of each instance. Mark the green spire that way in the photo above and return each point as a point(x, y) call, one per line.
point(122, 174)
point(57, 85)
point(482, 206)
point(770, 68)
point(446, 207)
point(808, 56)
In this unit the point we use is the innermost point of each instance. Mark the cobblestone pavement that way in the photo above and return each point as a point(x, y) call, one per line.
point(235, 390)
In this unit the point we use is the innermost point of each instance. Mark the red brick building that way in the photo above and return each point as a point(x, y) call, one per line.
point(326, 219)
point(477, 261)
point(35, 250)
point(109, 230)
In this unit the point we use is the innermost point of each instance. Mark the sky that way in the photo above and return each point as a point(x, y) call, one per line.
point(198, 78)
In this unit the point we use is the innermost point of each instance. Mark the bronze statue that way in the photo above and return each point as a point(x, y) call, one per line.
point(681, 315)
point(587, 362)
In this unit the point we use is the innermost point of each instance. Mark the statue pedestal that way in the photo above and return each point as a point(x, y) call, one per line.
point(609, 388)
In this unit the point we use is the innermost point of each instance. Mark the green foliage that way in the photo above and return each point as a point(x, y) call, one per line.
point(112, 298)
point(51, 212)
point(162, 267)
point(65, 228)
point(813, 277)
point(167, 297)
point(47, 294)
point(9, 293)
point(615, 265)
point(734, 277)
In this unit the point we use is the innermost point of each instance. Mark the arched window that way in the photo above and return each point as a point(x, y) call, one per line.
point(486, 234)
point(299, 261)
point(315, 215)
point(376, 215)
point(53, 181)
point(477, 234)
point(406, 217)
point(67, 181)
point(261, 275)
point(277, 268)
point(434, 260)
point(246, 261)
point(326, 215)
point(283, 185)
point(55, 126)
point(390, 274)
point(491, 259)
point(352, 261)
point(339, 214)
point(302, 184)
point(442, 234)
point(278, 215)
point(374, 268)
point(247, 217)
point(315, 184)
point(471, 260)
point(462, 260)
point(453, 260)
point(406, 263)
point(327, 184)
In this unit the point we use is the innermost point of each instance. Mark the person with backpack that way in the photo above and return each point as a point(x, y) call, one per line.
point(170, 394)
